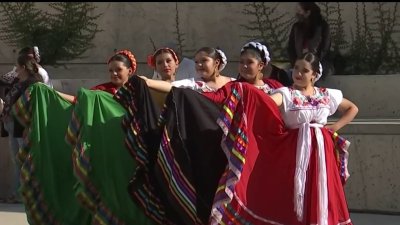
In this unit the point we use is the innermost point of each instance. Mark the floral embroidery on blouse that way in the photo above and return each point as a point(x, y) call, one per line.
point(201, 86)
point(265, 88)
point(320, 98)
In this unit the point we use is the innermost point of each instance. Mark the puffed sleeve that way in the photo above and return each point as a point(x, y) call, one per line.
point(43, 73)
point(285, 96)
point(185, 83)
point(336, 97)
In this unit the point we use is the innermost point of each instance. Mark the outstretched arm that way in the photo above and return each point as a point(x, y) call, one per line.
point(158, 85)
point(348, 110)
point(278, 98)
point(67, 97)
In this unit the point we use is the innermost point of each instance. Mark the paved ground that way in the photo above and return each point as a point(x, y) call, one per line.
point(13, 214)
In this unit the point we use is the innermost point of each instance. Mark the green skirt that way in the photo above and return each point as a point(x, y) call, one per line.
point(47, 177)
point(101, 161)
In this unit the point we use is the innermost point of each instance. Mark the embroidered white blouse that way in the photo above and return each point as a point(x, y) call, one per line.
point(306, 112)
point(194, 84)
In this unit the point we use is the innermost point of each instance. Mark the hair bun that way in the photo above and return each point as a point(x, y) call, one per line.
point(262, 49)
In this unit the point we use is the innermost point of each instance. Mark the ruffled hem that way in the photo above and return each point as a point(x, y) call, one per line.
point(234, 143)
point(235, 212)
point(140, 188)
point(180, 189)
point(85, 191)
point(342, 155)
point(37, 210)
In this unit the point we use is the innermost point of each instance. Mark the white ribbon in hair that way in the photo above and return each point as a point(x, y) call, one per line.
point(36, 52)
point(260, 47)
point(319, 74)
point(223, 58)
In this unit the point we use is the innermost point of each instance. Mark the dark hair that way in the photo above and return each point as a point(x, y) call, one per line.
point(29, 51)
point(212, 53)
point(254, 52)
point(164, 50)
point(315, 19)
point(121, 58)
point(30, 65)
point(312, 59)
point(26, 51)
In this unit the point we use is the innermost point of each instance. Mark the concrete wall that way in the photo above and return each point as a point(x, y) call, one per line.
point(375, 95)
point(374, 166)
point(374, 154)
point(374, 162)
point(131, 24)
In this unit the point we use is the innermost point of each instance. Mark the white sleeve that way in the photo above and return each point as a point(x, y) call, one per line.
point(336, 97)
point(285, 96)
point(185, 83)
point(43, 73)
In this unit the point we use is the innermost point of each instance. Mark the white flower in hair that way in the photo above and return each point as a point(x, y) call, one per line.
point(224, 59)
point(319, 74)
point(260, 47)
point(37, 55)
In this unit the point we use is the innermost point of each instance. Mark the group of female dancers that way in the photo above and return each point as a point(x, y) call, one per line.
point(207, 150)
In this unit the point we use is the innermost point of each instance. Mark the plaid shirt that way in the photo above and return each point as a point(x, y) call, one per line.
point(10, 76)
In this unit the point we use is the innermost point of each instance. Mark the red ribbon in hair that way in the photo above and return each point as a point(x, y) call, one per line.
point(151, 61)
point(129, 55)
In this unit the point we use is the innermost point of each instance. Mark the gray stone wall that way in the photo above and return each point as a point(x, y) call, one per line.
point(131, 24)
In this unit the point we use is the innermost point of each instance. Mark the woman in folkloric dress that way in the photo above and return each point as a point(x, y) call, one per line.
point(165, 63)
point(99, 170)
point(101, 162)
point(318, 194)
point(149, 139)
point(209, 64)
point(284, 169)
point(254, 57)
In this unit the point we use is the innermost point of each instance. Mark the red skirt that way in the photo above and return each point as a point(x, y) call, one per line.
point(258, 184)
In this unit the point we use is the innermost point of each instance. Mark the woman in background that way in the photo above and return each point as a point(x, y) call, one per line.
point(27, 72)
